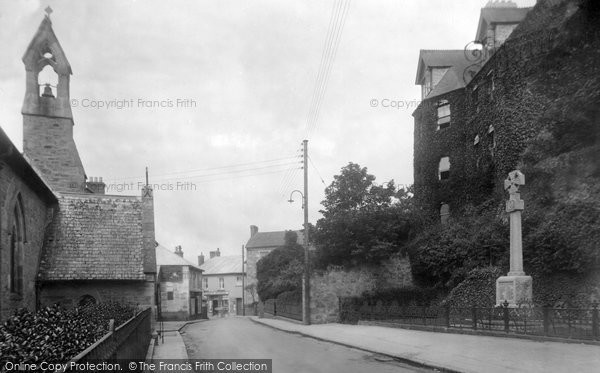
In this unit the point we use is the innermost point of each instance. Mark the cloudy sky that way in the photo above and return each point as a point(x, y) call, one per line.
point(234, 81)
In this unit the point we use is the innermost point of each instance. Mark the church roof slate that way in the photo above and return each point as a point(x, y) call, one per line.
point(95, 237)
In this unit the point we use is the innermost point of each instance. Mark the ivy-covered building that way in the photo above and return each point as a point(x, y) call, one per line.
point(482, 108)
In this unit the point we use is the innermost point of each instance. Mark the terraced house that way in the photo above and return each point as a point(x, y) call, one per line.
point(223, 283)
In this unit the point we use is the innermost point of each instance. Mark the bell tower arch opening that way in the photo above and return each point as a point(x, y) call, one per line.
point(48, 82)
point(47, 116)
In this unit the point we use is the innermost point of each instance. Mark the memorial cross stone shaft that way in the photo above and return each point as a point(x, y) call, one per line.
point(514, 206)
point(516, 287)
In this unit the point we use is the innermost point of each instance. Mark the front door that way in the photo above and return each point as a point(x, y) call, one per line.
point(215, 305)
point(238, 306)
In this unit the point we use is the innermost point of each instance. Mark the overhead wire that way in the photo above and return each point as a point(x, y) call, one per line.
point(222, 170)
point(331, 47)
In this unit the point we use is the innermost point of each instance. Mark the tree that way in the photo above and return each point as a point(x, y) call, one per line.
point(281, 270)
point(362, 222)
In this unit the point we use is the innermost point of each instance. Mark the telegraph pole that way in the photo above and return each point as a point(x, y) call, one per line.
point(306, 282)
point(243, 285)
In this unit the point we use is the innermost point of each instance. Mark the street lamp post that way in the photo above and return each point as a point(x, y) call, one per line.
point(306, 277)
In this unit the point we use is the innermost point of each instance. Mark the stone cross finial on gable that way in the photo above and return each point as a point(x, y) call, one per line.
point(514, 181)
point(48, 11)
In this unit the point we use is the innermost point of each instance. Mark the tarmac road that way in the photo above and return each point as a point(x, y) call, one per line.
point(240, 338)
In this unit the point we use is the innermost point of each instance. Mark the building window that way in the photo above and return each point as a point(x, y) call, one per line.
point(444, 213)
point(238, 281)
point(444, 168)
point(492, 137)
point(169, 295)
point(443, 114)
point(221, 283)
point(17, 239)
point(205, 280)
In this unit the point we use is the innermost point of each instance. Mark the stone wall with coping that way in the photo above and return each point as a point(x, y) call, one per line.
point(326, 287)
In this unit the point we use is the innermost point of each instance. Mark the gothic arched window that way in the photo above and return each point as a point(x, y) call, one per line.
point(17, 240)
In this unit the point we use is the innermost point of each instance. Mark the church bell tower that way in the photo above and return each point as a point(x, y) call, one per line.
point(47, 118)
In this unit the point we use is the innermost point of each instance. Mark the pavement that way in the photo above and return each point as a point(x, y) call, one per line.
point(169, 343)
point(452, 352)
point(443, 351)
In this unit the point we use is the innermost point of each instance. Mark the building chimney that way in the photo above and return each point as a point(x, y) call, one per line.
point(253, 230)
point(96, 185)
point(215, 253)
point(200, 259)
point(501, 4)
point(179, 250)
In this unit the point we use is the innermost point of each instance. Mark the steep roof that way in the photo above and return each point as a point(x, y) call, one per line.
point(490, 15)
point(45, 38)
point(460, 63)
point(96, 237)
point(223, 265)
point(165, 256)
point(440, 58)
point(268, 239)
point(24, 169)
point(455, 78)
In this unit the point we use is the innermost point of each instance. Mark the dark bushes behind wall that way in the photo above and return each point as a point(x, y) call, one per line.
point(477, 290)
point(401, 297)
point(55, 335)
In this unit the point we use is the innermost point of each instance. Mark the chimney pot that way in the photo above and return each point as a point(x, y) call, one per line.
point(179, 250)
point(200, 259)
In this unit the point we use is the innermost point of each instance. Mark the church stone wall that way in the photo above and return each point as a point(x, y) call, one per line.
point(48, 143)
point(36, 214)
point(68, 293)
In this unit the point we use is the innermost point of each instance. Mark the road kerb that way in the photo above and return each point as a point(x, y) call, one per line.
point(402, 359)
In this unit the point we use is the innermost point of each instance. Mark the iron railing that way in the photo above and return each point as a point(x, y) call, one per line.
point(291, 310)
point(575, 323)
point(128, 342)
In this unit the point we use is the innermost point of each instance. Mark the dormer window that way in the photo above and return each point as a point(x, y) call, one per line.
point(443, 114)
point(444, 168)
